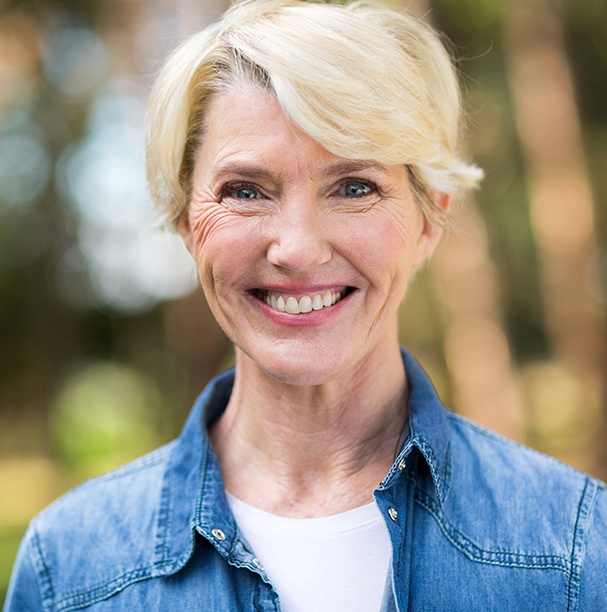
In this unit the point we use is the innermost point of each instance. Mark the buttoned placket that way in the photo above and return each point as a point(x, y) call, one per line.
point(237, 550)
point(238, 554)
point(394, 498)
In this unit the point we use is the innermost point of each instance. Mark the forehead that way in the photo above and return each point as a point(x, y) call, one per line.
point(247, 133)
point(248, 120)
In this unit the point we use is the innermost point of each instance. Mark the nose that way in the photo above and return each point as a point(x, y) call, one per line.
point(298, 236)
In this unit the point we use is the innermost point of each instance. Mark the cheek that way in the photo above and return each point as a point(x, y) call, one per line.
point(383, 242)
point(223, 243)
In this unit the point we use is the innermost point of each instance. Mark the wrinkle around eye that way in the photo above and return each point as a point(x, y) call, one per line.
point(406, 221)
point(207, 218)
point(221, 195)
point(361, 204)
point(258, 206)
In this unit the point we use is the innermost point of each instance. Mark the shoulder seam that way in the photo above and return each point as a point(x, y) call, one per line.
point(43, 574)
point(153, 459)
point(580, 533)
point(492, 435)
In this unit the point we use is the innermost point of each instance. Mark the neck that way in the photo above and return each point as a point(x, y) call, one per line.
point(312, 450)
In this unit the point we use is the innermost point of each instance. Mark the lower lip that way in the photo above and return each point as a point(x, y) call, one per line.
point(313, 318)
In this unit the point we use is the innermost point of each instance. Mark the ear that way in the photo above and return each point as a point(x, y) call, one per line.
point(185, 229)
point(433, 228)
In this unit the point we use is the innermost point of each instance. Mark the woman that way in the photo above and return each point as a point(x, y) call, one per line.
point(307, 154)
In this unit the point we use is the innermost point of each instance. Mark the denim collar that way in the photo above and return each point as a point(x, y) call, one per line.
point(428, 430)
point(193, 498)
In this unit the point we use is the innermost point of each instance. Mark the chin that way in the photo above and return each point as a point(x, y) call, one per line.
point(301, 371)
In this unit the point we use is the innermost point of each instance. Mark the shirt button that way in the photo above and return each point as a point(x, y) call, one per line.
point(402, 464)
point(220, 535)
point(393, 513)
point(257, 563)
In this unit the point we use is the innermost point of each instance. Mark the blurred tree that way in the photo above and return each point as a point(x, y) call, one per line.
point(476, 346)
point(561, 201)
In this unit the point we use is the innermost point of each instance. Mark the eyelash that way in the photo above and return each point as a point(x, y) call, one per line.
point(372, 187)
point(229, 189)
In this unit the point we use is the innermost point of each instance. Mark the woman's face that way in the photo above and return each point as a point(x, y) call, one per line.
point(304, 256)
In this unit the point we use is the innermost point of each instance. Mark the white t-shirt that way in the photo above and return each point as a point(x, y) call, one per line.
point(335, 563)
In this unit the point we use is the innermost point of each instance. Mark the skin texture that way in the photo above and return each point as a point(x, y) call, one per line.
point(319, 399)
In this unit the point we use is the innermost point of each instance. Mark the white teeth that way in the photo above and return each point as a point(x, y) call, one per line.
point(292, 306)
point(305, 304)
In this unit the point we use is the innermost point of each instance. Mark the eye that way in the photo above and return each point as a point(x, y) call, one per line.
point(246, 193)
point(241, 191)
point(357, 189)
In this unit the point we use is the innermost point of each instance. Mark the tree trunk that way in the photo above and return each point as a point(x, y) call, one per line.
point(560, 199)
point(476, 347)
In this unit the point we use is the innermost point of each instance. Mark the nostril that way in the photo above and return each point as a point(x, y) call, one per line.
point(299, 253)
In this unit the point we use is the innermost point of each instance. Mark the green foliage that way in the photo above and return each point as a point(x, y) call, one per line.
point(9, 543)
point(105, 414)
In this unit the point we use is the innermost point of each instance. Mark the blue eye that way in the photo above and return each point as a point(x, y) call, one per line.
point(241, 191)
point(357, 190)
point(246, 193)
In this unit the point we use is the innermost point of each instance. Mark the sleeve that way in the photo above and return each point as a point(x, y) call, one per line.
point(24, 588)
point(593, 585)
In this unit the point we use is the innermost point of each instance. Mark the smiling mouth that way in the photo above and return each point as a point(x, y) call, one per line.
point(303, 304)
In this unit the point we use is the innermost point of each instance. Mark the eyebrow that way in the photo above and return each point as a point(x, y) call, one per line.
point(351, 166)
point(244, 170)
point(341, 168)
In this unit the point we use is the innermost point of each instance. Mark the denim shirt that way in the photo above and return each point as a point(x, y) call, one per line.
point(476, 522)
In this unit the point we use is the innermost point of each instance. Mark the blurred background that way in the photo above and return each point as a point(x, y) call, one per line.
point(105, 338)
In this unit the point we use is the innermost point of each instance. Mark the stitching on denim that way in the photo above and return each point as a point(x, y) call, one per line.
point(45, 583)
point(475, 553)
point(406, 449)
point(169, 523)
point(579, 536)
point(204, 459)
point(487, 433)
point(447, 472)
point(431, 460)
point(401, 551)
point(75, 600)
point(165, 518)
point(222, 548)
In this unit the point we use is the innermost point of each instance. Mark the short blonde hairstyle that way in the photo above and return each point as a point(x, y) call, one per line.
point(364, 81)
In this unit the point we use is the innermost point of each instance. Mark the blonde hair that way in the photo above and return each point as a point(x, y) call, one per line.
point(364, 81)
